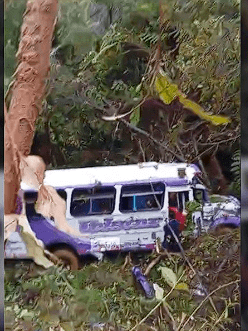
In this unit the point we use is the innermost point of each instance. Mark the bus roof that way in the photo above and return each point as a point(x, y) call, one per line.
point(121, 174)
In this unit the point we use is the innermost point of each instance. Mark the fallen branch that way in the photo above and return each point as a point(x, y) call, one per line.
point(198, 158)
point(219, 319)
point(10, 225)
point(116, 117)
point(173, 322)
point(155, 141)
point(203, 301)
point(189, 264)
point(154, 262)
point(128, 261)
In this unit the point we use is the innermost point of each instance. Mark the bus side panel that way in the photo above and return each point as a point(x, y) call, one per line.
point(124, 232)
point(50, 235)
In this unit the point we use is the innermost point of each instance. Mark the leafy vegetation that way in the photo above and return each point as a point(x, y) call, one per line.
point(97, 79)
point(104, 296)
point(103, 107)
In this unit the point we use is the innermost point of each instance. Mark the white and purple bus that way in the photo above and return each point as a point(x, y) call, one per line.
point(123, 207)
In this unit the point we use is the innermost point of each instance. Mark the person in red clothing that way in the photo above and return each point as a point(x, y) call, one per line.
point(177, 220)
point(180, 216)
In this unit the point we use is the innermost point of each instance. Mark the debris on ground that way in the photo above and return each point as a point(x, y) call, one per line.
point(199, 294)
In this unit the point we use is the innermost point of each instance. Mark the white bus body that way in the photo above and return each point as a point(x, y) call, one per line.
point(130, 221)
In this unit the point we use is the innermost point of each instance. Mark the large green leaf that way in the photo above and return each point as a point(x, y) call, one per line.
point(168, 92)
point(168, 275)
point(135, 116)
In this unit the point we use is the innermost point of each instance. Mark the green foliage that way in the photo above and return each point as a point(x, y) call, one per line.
point(169, 276)
point(191, 207)
point(111, 71)
point(144, 9)
point(209, 52)
point(93, 76)
point(74, 27)
point(135, 116)
point(106, 293)
point(88, 76)
point(12, 25)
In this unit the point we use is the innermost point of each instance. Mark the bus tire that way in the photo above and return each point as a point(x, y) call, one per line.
point(68, 258)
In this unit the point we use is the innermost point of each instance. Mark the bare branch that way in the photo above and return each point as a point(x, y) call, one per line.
point(207, 297)
point(155, 141)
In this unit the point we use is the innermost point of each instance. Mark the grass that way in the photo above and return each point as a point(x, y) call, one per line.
point(104, 296)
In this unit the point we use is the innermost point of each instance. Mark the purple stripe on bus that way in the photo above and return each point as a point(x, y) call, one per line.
point(229, 220)
point(197, 169)
point(111, 225)
point(150, 246)
point(50, 235)
point(133, 247)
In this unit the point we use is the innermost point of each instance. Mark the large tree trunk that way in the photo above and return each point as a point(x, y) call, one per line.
point(28, 91)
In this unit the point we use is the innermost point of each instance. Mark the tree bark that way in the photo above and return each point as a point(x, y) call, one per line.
point(28, 91)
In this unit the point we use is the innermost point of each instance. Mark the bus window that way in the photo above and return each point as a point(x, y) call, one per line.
point(178, 199)
point(173, 199)
point(200, 195)
point(62, 194)
point(92, 201)
point(30, 197)
point(142, 197)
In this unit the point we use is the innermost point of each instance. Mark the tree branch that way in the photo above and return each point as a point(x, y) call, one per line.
point(203, 301)
point(155, 141)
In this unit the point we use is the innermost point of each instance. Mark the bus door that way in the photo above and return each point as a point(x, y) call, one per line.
point(177, 206)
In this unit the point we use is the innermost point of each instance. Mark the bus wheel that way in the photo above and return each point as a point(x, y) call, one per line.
point(68, 258)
